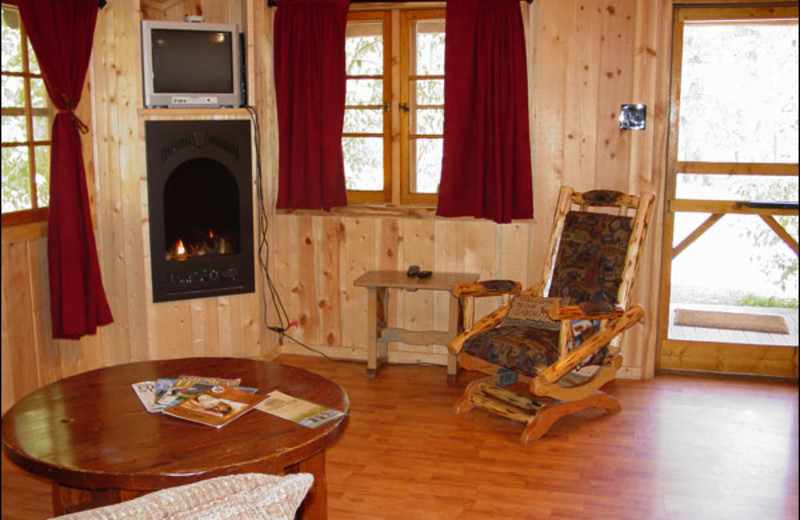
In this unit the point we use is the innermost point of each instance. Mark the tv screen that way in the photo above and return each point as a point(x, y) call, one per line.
point(193, 62)
point(190, 64)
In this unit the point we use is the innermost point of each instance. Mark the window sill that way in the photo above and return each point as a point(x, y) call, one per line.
point(24, 232)
point(372, 209)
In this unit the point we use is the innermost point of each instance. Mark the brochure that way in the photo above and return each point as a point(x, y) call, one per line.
point(215, 406)
point(298, 410)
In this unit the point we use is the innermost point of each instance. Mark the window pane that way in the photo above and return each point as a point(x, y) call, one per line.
point(16, 183)
point(739, 91)
point(363, 163)
point(33, 63)
point(429, 47)
point(39, 96)
point(11, 51)
point(427, 161)
point(363, 121)
point(13, 128)
point(364, 48)
point(13, 92)
point(759, 188)
point(429, 121)
point(41, 128)
point(430, 92)
point(364, 92)
point(42, 176)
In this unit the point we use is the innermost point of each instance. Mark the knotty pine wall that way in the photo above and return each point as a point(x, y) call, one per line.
point(586, 59)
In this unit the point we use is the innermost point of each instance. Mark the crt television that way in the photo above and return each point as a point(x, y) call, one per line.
point(191, 64)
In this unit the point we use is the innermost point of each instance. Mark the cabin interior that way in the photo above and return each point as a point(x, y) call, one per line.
point(585, 59)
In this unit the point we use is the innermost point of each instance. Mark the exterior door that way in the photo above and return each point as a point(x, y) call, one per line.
point(729, 267)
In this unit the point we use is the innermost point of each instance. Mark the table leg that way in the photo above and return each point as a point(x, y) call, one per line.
point(377, 352)
point(315, 505)
point(68, 499)
point(453, 330)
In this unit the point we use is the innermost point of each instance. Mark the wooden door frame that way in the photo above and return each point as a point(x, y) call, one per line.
point(703, 355)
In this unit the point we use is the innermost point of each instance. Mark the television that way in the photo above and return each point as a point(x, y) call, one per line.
point(191, 65)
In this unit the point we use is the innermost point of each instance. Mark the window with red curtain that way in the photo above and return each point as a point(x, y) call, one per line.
point(310, 86)
point(486, 163)
point(61, 33)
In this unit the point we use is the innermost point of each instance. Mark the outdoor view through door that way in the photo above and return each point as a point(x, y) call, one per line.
point(729, 297)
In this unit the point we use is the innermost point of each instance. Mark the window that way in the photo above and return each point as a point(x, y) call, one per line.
point(27, 116)
point(394, 110)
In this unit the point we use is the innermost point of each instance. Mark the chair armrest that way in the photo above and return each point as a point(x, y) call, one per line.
point(632, 315)
point(487, 288)
point(586, 311)
point(485, 323)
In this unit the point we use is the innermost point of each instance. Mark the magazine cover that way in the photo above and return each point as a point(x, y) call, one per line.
point(146, 392)
point(298, 410)
point(215, 406)
point(169, 388)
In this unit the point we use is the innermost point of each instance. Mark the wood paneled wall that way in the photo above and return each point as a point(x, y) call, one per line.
point(586, 59)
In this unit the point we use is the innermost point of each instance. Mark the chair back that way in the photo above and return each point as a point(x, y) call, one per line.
point(595, 245)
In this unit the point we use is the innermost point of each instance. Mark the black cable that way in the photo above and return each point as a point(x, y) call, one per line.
point(263, 243)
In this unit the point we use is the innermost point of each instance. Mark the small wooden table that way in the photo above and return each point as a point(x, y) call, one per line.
point(379, 334)
point(90, 434)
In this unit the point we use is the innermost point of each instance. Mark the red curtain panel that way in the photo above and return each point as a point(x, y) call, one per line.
point(486, 165)
point(61, 33)
point(310, 88)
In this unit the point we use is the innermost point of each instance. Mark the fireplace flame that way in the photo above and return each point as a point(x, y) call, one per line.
point(213, 245)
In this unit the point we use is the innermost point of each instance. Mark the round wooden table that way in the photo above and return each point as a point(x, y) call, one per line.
point(90, 434)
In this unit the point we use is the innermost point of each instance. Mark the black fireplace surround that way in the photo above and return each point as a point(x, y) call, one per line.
point(199, 185)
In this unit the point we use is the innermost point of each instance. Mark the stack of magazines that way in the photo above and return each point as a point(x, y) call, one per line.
point(216, 402)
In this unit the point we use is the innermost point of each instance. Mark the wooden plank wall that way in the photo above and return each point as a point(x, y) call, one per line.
point(586, 59)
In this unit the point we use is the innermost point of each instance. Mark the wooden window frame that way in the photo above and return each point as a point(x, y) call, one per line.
point(36, 213)
point(399, 107)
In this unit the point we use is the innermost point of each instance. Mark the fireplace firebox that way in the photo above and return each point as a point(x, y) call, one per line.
point(199, 185)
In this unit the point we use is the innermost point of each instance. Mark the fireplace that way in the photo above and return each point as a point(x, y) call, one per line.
point(200, 207)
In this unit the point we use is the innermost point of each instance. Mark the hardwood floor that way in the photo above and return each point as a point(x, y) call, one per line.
point(682, 447)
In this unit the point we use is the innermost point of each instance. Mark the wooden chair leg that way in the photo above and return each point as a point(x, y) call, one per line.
point(464, 403)
point(546, 417)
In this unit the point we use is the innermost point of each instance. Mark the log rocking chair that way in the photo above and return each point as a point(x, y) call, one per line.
point(559, 349)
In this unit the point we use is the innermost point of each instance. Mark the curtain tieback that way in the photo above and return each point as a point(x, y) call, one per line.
point(70, 110)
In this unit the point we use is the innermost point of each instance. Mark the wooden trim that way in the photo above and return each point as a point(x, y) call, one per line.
point(718, 168)
point(724, 206)
point(738, 358)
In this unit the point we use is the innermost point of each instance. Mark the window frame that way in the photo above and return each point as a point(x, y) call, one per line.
point(399, 107)
point(36, 213)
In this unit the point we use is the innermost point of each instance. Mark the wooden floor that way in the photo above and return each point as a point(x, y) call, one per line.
point(682, 448)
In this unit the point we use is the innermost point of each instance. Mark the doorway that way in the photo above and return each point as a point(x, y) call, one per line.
point(729, 266)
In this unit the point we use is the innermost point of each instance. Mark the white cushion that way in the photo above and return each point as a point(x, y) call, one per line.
point(248, 496)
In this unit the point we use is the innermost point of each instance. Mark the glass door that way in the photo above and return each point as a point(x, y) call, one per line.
point(729, 266)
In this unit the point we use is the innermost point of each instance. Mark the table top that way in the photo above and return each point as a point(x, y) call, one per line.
point(438, 281)
point(91, 431)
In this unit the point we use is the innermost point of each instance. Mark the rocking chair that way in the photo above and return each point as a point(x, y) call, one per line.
point(563, 347)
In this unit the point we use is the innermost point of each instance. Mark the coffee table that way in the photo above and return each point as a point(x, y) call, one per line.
point(91, 436)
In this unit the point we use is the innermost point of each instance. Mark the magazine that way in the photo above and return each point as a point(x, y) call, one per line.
point(298, 410)
point(169, 388)
point(197, 388)
point(215, 406)
point(146, 392)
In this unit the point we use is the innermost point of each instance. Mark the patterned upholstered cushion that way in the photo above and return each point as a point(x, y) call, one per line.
point(515, 345)
point(533, 311)
point(591, 257)
point(249, 496)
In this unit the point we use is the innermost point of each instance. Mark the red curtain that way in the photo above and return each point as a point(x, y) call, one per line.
point(310, 89)
point(61, 33)
point(486, 165)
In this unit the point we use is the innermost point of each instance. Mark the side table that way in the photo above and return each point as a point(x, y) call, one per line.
point(379, 334)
